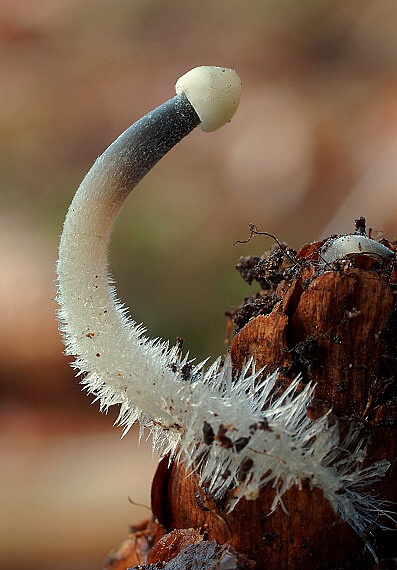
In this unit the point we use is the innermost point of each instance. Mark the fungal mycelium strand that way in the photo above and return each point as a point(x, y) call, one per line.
point(230, 427)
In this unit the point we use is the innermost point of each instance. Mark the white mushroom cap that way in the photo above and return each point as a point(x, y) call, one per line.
point(349, 244)
point(214, 93)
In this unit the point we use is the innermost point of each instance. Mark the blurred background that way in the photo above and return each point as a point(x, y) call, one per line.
point(312, 147)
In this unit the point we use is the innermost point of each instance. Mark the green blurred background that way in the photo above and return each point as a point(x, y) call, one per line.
point(312, 146)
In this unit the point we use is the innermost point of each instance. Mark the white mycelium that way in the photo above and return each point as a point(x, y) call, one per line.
point(231, 428)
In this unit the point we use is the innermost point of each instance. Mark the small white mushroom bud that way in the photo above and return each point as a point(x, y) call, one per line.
point(346, 245)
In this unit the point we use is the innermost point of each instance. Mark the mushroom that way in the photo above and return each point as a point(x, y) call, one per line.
point(346, 245)
point(178, 401)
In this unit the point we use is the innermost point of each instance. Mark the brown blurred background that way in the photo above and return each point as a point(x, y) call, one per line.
point(312, 147)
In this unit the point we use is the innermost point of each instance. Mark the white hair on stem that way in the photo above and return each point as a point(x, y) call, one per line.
point(187, 407)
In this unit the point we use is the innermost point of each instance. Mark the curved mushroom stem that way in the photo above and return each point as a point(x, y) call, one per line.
point(94, 325)
point(210, 416)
